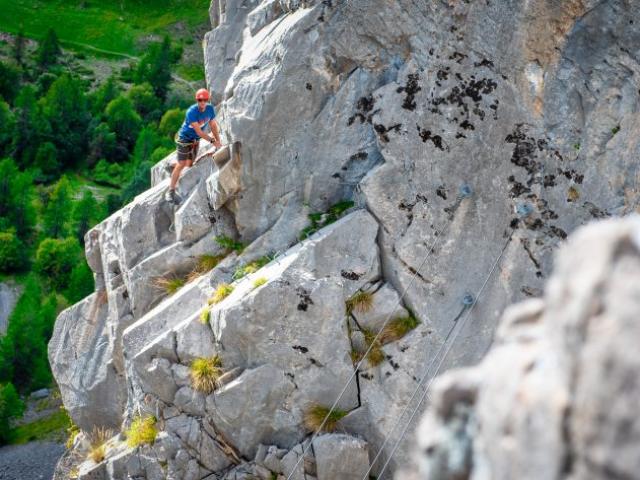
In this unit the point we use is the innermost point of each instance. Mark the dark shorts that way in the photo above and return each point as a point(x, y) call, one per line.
point(187, 150)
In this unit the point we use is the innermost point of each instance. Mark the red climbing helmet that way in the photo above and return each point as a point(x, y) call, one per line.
point(202, 94)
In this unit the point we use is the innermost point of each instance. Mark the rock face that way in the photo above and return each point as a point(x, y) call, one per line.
point(9, 295)
point(471, 139)
point(553, 397)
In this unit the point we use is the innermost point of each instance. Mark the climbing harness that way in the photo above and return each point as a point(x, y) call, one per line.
point(447, 347)
point(437, 235)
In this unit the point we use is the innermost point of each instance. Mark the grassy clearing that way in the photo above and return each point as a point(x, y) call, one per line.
point(205, 373)
point(53, 427)
point(315, 415)
point(142, 431)
point(105, 25)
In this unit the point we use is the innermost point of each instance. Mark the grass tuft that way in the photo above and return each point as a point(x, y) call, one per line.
point(360, 302)
point(320, 220)
point(204, 315)
point(222, 291)
point(170, 284)
point(230, 244)
point(376, 354)
point(98, 439)
point(258, 282)
point(397, 328)
point(315, 415)
point(205, 264)
point(244, 270)
point(142, 431)
point(205, 373)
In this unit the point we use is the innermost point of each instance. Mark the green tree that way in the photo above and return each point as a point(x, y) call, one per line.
point(155, 68)
point(145, 102)
point(84, 215)
point(12, 252)
point(123, 120)
point(16, 199)
point(106, 92)
point(49, 50)
point(18, 47)
point(9, 81)
point(140, 181)
point(58, 210)
point(47, 161)
point(171, 122)
point(55, 259)
point(65, 107)
point(10, 407)
point(81, 283)
point(7, 127)
point(29, 127)
point(148, 140)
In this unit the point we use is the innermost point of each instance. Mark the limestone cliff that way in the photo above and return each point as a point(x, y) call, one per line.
point(471, 137)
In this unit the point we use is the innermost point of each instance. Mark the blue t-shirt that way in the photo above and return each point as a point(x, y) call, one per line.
point(194, 114)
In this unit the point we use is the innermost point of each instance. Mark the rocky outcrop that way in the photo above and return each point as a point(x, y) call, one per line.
point(463, 145)
point(554, 397)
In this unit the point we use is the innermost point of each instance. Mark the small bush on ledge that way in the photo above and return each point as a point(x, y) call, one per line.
point(142, 431)
point(205, 373)
point(230, 244)
point(222, 292)
point(315, 415)
point(244, 270)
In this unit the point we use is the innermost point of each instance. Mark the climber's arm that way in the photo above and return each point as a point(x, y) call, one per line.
point(215, 130)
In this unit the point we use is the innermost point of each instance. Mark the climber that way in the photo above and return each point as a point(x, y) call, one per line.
point(188, 138)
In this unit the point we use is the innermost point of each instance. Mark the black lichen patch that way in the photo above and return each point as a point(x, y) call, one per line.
point(558, 232)
point(349, 275)
point(457, 57)
point(300, 348)
point(395, 365)
point(467, 125)
point(484, 63)
point(383, 131)
point(441, 191)
point(315, 362)
point(437, 141)
point(524, 152)
point(305, 299)
point(571, 175)
point(308, 86)
point(410, 89)
point(595, 211)
point(366, 376)
point(364, 108)
point(359, 156)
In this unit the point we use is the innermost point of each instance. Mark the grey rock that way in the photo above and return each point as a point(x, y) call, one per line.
point(190, 401)
point(543, 395)
point(340, 457)
point(296, 469)
point(192, 219)
point(9, 294)
point(385, 306)
point(39, 394)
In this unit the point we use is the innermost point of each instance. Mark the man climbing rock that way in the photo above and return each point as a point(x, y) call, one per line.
point(188, 138)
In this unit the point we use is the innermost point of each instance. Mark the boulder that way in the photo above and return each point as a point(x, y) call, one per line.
point(340, 457)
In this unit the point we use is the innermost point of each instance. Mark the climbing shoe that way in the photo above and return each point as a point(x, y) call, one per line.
point(172, 197)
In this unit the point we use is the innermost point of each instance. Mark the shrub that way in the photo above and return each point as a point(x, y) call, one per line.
point(98, 439)
point(12, 252)
point(222, 292)
point(230, 244)
point(320, 220)
point(170, 284)
point(397, 328)
point(55, 260)
point(10, 407)
point(360, 302)
point(142, 431)
point(258, 282)
point(316, 415)
point(205, 373)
